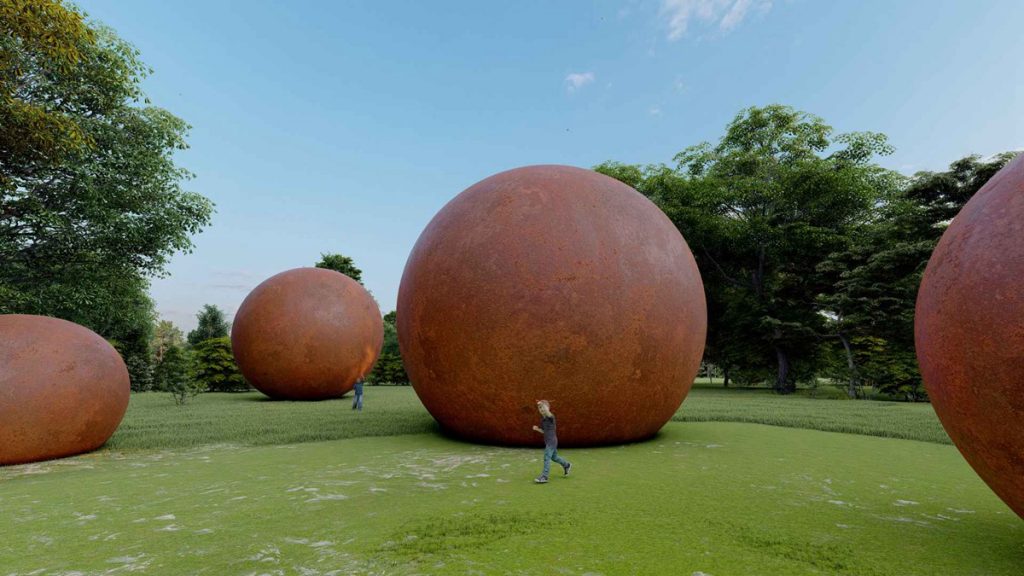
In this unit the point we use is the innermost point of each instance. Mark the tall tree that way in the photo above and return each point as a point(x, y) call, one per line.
point(214, 366)
point(730, 344)
point(173, 375)
point(212, 324)
point(873, 282)
point(91, 204)
point(761, 208)
point(37, 37)
point(165, 335)
point(341, 263)
point(389, 367)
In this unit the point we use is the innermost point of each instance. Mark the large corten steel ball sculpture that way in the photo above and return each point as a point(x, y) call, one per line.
point(558, 283)
point(63, 389)
point(307, 334)
point(970, 332)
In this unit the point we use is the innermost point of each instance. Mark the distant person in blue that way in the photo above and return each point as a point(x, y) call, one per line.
point(357, 401)
point(547, 428)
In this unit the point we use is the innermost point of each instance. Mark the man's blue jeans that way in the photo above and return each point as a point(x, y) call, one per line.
point(551, 453)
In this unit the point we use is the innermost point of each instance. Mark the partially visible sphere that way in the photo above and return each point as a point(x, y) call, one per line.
point(969, 330)
point(307, 334)
point(557, 283)
point(63, 389)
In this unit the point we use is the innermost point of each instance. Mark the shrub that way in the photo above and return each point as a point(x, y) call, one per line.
point(215, 368)
point(172, 375)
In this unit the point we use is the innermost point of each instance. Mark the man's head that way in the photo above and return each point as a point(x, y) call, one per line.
point(544, 407)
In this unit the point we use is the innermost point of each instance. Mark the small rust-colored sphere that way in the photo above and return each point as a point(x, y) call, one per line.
point(557, 283)
point(307, 334)
point(63, 389)
point(969, 329)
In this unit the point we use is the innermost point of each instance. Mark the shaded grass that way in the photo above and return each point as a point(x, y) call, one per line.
point(154, 422)
point(250, 418)
point(868, 417)
point(714, 498)
point(448, 533)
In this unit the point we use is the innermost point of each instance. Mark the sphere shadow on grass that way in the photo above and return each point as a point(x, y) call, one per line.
point(440, 431)
point(265, 398)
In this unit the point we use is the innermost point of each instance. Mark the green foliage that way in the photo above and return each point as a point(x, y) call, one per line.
point(761, 208)
point(214, 367)
point(212, 324)
point(389, 367)
point(165, 334)
point(870, 286)
point(40, 40)
point(90, 198)
point(126, 318)
point(341, 263)
point(808, 250)
point(172, 375)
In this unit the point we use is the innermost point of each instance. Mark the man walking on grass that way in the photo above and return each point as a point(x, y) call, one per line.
point(547, 428)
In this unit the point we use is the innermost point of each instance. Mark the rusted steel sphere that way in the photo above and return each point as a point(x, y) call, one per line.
point(307, 334)
point(557, 283)
point(969, 329)
point(63, 389)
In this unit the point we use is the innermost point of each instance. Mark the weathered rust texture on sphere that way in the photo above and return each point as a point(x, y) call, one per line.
point(969, 329)
point(558, 283)
point(307, 334)
point(63, 389)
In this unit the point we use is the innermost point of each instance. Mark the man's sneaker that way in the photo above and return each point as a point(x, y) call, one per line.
point(567, 468)
point(541, 479)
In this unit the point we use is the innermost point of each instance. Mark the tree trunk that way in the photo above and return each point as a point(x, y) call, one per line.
point(782, 382)
point(725, 375)
point(852, 387)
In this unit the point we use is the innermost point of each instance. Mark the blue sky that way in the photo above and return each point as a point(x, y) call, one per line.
point(345, 126)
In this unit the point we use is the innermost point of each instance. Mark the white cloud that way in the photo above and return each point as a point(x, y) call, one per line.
point(724, 14)
point(655, 111)
point(577, 80)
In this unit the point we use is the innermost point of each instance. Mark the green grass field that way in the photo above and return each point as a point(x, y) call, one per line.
point(868, 417)
point(252, 419)
point(237, 485)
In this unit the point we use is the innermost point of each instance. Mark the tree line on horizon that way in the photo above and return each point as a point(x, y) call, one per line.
point(810, 251)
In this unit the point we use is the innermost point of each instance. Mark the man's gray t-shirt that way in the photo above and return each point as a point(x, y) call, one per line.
point(547, 424)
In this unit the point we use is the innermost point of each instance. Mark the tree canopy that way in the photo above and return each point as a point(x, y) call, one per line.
point(761, 208)
point(212, 324)
point(810, 252)
point(389, 367)
point(91, 203)
point(341, 263)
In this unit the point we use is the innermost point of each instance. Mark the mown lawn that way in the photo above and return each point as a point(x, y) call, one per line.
point(250, 418)
point(153, 421)
point(238, 484)
point(911, 421)
point(715, 499)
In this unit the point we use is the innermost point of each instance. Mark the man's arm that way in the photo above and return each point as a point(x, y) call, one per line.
point(538, 429)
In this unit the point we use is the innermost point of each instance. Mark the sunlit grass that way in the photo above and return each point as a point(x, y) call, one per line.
point(709, 498)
